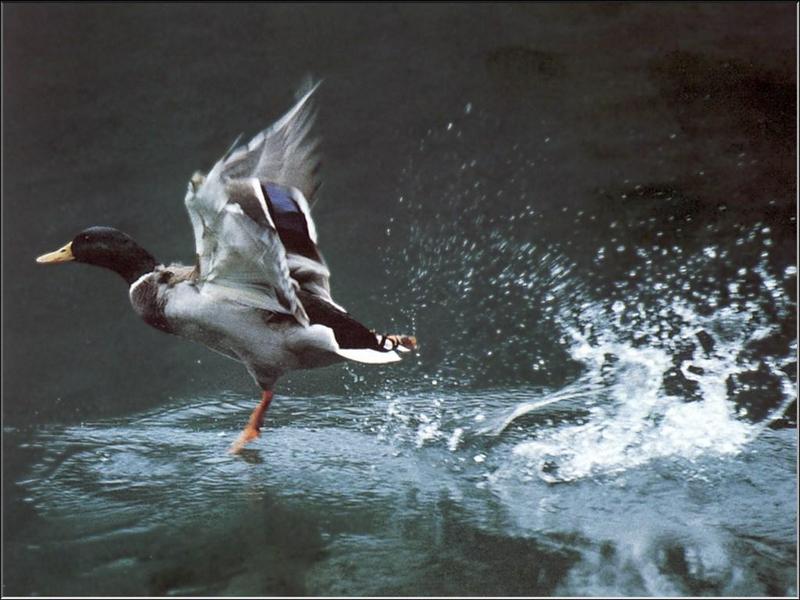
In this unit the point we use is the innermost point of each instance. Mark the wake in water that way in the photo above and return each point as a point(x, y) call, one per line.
point(660, 348)
point(672, 381)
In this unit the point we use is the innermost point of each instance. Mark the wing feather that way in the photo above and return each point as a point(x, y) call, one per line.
point(254, 235)
point(284, 153)
point(241, 258)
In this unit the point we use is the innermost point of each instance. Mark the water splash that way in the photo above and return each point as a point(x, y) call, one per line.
point(662, 344)
point(640, 353)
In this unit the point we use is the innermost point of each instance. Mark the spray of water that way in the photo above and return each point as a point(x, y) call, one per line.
point(664, 349)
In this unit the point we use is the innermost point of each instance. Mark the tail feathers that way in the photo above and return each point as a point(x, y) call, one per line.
point(387, 350)
point(366, 355)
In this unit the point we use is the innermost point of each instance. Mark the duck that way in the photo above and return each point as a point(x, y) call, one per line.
point(259, 291)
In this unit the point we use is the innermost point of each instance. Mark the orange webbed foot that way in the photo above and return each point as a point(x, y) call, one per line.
point(247, 436)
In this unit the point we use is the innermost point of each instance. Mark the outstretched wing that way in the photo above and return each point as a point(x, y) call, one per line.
point(255, 239)
point(284, 153)
point(240, 253)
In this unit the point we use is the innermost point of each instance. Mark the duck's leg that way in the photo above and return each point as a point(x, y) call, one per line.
point(253, 427)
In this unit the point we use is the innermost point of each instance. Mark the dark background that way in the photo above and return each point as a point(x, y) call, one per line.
point(109, 109)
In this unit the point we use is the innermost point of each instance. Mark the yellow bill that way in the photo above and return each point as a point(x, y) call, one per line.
point(63, 254)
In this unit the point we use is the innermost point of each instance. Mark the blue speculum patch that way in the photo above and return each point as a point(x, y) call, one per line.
point(289, 220)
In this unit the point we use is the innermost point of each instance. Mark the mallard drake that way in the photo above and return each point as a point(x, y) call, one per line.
point(259, 292)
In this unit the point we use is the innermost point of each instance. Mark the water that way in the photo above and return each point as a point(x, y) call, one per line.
point(603, 286)
point(359, 500)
